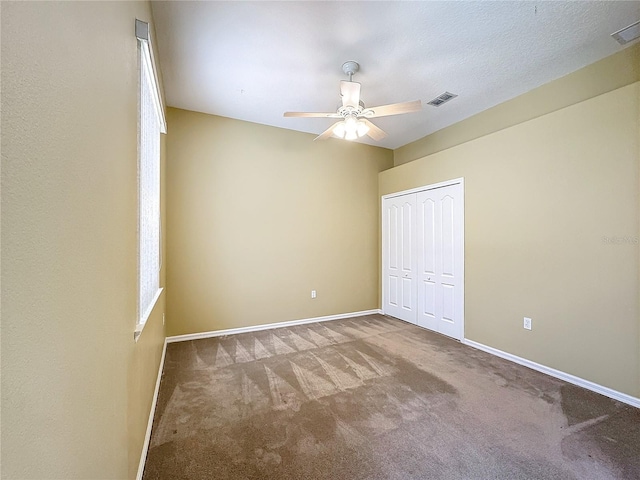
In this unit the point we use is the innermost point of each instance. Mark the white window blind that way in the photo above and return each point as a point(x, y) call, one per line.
point(150, 125)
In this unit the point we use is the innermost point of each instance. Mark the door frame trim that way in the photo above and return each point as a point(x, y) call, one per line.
point(433, 186)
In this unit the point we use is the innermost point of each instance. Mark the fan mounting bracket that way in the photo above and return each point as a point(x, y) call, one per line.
point(350, 67)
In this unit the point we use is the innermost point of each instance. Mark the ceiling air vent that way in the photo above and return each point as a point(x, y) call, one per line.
point(440, 99)
point(627, 34)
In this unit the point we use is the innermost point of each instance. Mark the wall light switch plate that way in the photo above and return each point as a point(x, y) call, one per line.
point(527, 323)
point(313, 294)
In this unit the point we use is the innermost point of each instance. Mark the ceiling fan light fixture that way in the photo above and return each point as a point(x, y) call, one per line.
point(350, 123)
point(339, 130)
point(350, 127)
point(351, 135)
point(362, 128)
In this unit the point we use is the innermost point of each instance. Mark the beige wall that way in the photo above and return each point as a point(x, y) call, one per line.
point(142, 374)
point(611, 73)
point(76, 388)
point(145, 356)
point(540, 198)
point(259, 216)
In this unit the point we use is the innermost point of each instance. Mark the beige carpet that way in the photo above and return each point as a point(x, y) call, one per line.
point(377, 398)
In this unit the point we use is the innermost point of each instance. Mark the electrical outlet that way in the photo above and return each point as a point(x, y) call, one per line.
point(313, 294)
point(527, 323)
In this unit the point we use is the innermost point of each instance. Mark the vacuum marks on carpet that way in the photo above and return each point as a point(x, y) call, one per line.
point(370, 397)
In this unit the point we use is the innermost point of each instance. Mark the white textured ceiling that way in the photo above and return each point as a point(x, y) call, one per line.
point(255, 60)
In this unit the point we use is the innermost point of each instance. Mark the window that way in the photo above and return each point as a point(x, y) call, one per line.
point(150, 124)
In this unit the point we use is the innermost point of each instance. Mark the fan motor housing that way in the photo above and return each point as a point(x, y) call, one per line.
point(349, 110)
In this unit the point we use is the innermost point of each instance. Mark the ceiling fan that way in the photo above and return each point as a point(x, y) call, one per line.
point(354, 116)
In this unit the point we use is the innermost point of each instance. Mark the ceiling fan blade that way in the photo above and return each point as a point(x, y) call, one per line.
point(374, 132)
point(350, 92)
point(327, 133)
point(393, 109)
point(312, 114)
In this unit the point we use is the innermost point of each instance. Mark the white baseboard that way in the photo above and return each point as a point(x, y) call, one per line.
point(147, 436)
point(267, 326)
point(567, 377)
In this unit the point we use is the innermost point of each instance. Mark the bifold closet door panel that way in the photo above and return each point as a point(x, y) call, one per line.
point(399, 257)
point(439, 241)
point(427, 255)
